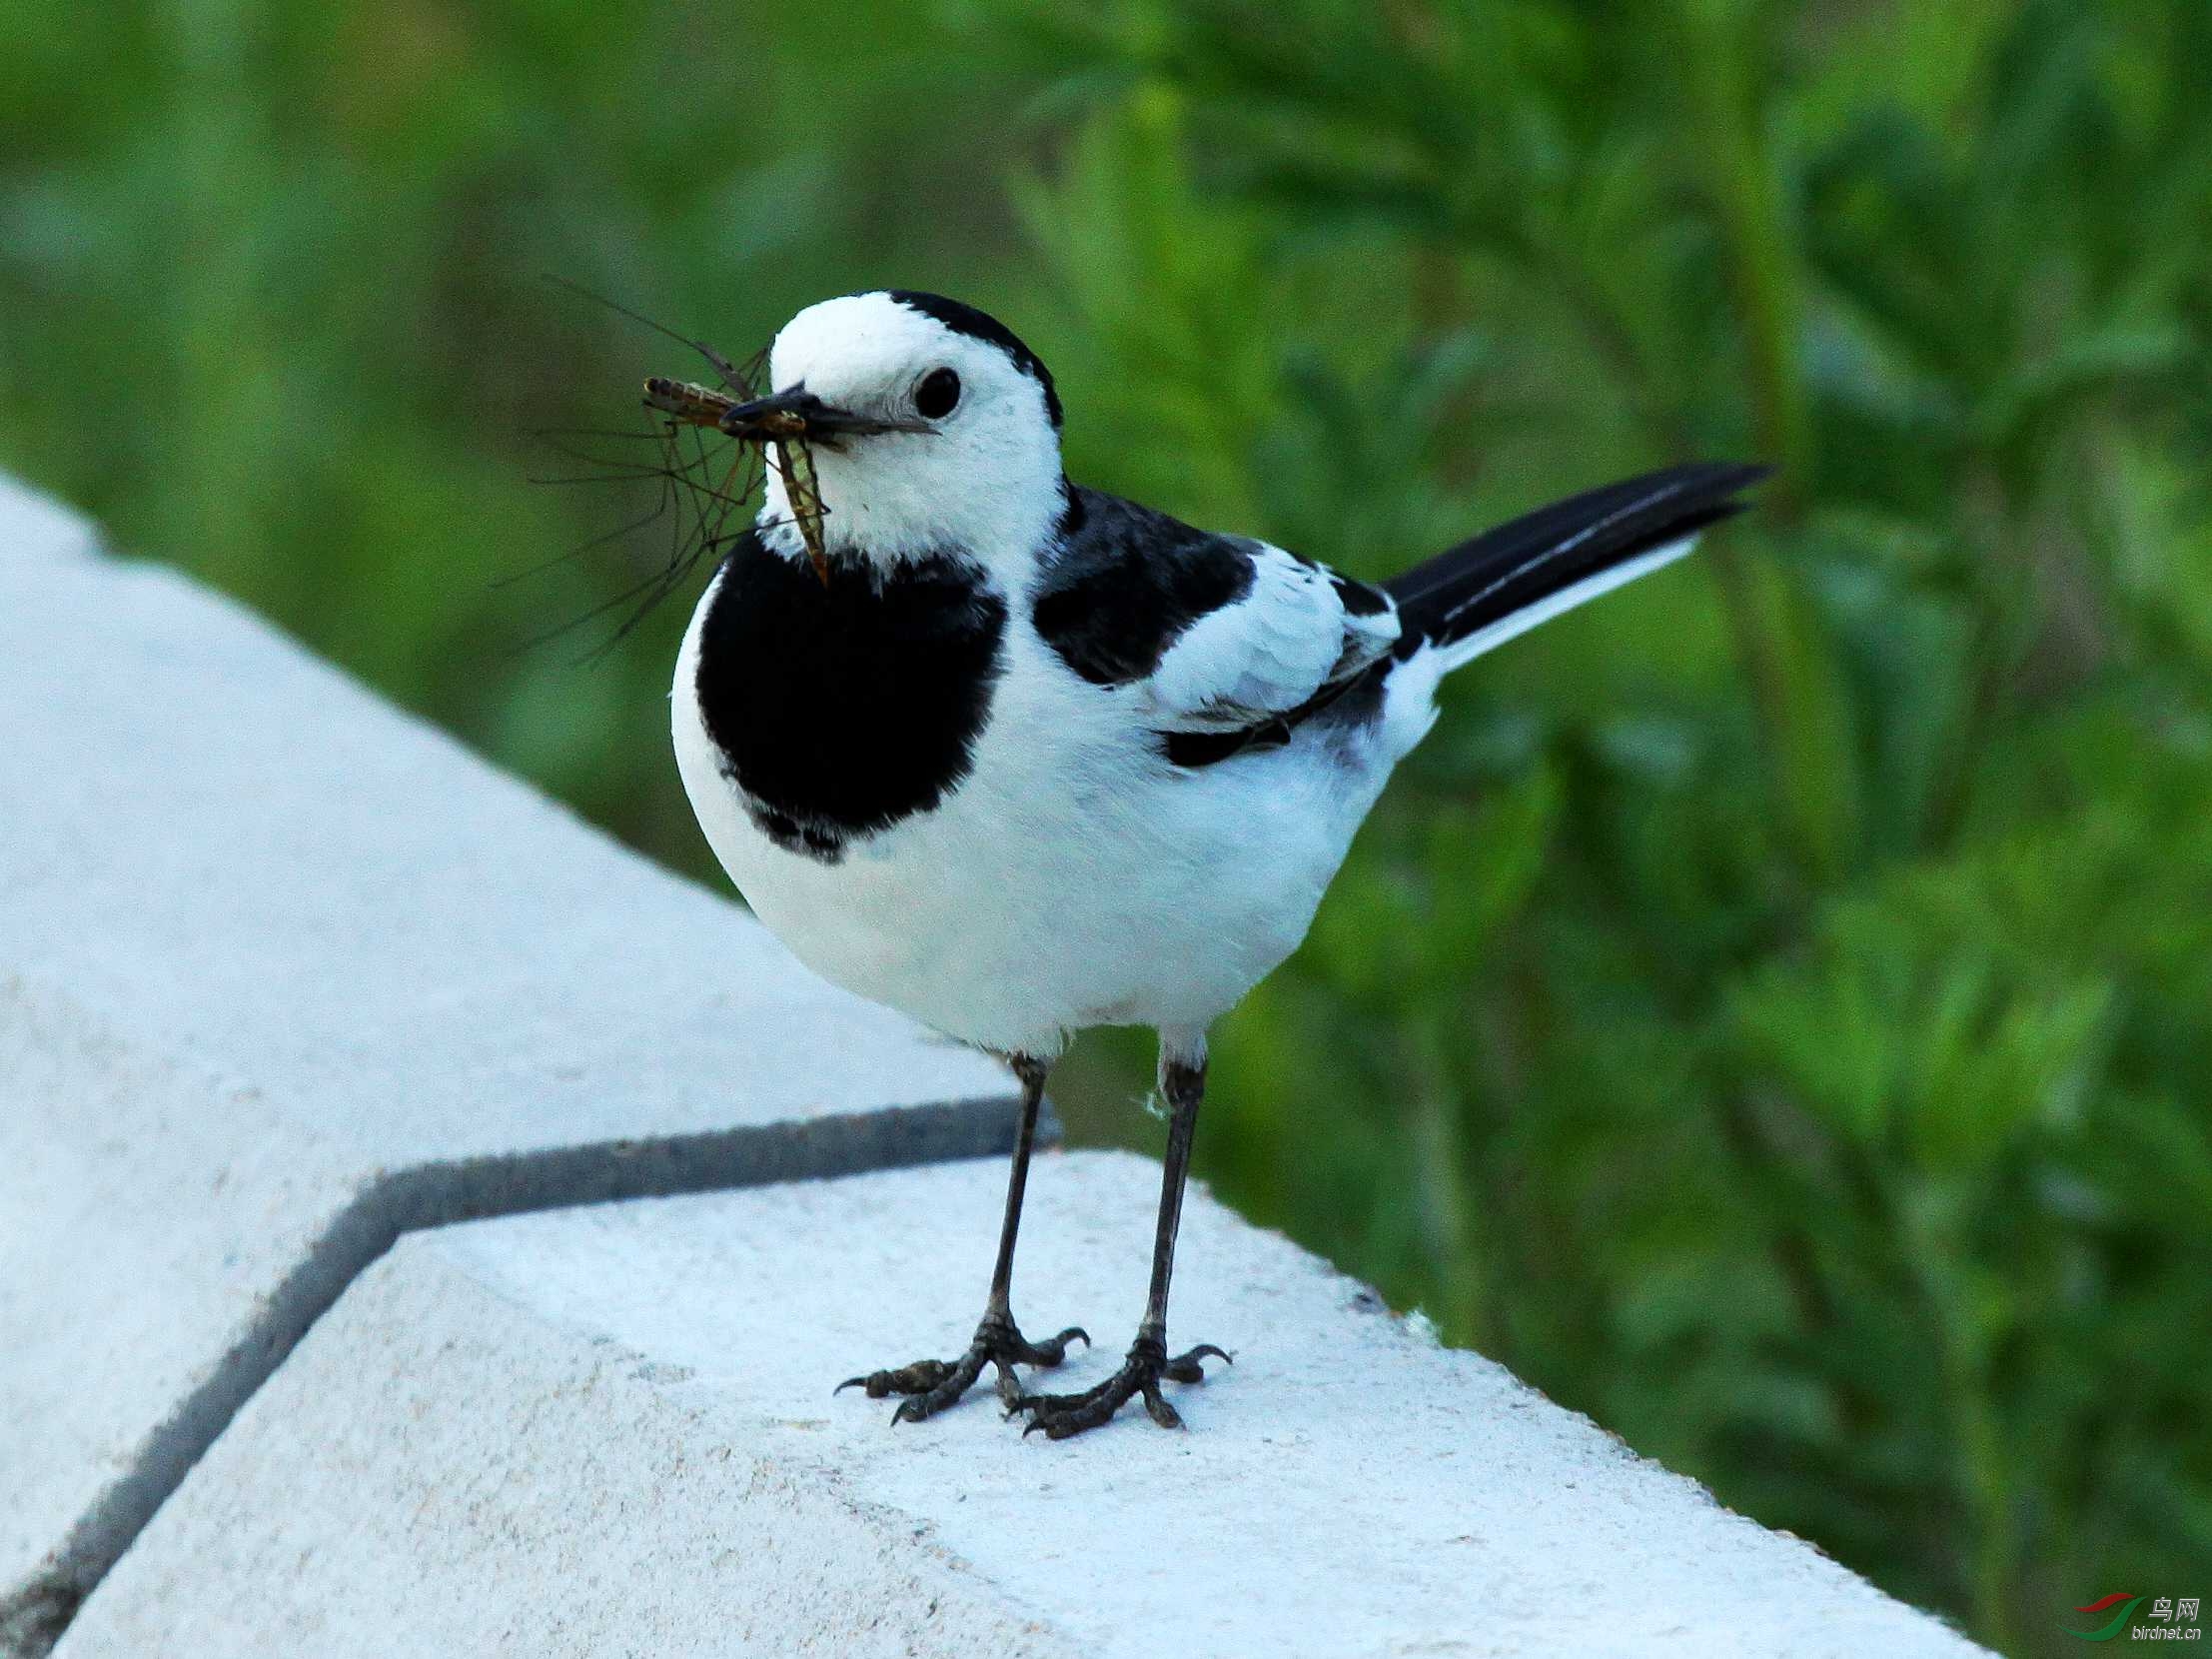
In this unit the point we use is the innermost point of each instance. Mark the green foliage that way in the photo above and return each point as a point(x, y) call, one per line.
point(1773, 1012)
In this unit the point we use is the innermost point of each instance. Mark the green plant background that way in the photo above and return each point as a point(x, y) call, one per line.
point(1773, 1014)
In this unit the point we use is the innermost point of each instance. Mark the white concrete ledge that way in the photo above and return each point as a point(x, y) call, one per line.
point(285, 976)
point(36, 527)
point(283, 972)
point(610, 1430)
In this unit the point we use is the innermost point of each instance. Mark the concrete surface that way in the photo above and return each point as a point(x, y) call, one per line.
point(284, 972)
point(611, 1431)
point(35, 527)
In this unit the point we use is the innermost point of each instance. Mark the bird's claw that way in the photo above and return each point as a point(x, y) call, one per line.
point(902, 1379)
point(932, 1384)
point(1184, 1367)
point(1061, 1415)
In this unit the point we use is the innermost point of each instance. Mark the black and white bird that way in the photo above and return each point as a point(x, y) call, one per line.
point(1018, 757)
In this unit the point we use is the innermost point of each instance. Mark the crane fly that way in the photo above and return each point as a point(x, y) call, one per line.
point(686, 403)
point(705, 467)
point(704, 443)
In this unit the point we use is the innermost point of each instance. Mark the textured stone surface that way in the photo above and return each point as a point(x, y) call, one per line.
point(610, 1430)
point(284, 972)
point(35, 527)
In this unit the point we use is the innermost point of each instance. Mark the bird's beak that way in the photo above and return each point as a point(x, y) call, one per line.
point(798, 412)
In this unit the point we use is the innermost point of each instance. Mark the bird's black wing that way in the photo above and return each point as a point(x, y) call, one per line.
point(1229, 637)
point(1214, 636)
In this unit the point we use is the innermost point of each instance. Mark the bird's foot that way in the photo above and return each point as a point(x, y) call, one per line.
point(932, 1384)
point(1060, 1415)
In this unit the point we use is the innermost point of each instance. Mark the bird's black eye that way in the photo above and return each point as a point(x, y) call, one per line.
point(938, 395)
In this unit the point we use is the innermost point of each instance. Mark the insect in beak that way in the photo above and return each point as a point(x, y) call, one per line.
point(789, 423)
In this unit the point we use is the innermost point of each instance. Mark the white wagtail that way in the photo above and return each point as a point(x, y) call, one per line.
point(1018, 757)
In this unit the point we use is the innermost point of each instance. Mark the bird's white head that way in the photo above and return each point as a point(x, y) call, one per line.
point(933, 429)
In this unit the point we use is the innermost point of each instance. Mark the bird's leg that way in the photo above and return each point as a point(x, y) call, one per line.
point(932, 1384)
point(1183, 1082)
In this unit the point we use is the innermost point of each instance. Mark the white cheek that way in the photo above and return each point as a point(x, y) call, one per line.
point(982, 488)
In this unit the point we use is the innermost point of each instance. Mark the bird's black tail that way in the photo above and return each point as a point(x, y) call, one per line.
point(1505, 581)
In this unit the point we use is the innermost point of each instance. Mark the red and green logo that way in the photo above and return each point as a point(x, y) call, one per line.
point(2118, 1622)
point(2170, 1619)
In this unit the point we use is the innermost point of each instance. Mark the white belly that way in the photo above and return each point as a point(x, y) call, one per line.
point(1072, 879)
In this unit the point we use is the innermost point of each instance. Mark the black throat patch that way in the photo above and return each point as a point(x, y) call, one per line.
point(839, 711)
